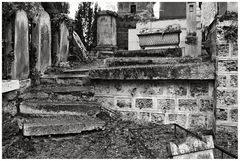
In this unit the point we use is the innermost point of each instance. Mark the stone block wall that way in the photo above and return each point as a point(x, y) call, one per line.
point(187, 103)
point(227, 78)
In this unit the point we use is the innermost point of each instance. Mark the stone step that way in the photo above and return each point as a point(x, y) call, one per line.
point(130, 61)
point(65, 79)
point(53, 88)
point(46, 108)
point(60, 124)
point(54, 92)
point(164, 52)
point(194, 71)
point(77, 71)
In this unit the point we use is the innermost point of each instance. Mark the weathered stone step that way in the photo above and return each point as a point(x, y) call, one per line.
point(45, 108)
point(192, 71)
point(164, 52)
point(77, 71)
point(51, 92)
point(75, 79)
point(130, 61)
point(52, 88)
point(60, 124)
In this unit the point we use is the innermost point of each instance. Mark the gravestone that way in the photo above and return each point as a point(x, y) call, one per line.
point(42, 41)
point(193, 148)
point(21, 49)
point(80, 48)
point(64, 42)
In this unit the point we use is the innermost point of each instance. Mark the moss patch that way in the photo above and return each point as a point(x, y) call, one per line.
point(181, 71)
point(170, 52)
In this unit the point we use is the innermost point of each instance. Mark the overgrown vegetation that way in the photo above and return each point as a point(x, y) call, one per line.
point(230, 32)
point(86, 23)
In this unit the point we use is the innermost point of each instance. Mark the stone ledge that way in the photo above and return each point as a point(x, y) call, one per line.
point(195, 71)
point(165, 52)
point(42, 108)
point(10, 85)
point(60, 125)
point(128, 61)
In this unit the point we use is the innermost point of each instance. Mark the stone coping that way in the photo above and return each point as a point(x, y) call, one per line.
point(164, 52)
point(10, 85)
point(128, 61)
point(193, 71)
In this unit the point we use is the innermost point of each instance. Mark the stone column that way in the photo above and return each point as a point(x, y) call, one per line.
point(21, 47)
point(106, 32)
point(226, 77)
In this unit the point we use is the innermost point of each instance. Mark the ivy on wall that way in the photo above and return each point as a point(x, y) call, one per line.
point(230, 32)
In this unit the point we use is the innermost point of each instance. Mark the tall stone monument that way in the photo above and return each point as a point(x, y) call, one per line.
point(42, 41)
point(21, 48)
point(64, 42)
point(106, 32)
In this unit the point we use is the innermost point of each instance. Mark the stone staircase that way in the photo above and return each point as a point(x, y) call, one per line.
point(165, 63)
point(65, 102)
point(61, 104)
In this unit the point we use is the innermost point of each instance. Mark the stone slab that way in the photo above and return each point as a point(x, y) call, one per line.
point(76, 71)
point(197, 71)
point(60, 125)
point(41, 108)
point(10, 85)
point(193, 148)
point(77, 42)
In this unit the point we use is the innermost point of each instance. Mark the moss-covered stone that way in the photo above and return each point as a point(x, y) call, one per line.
point(169, 52)
point(130, 61)
point(173, 71)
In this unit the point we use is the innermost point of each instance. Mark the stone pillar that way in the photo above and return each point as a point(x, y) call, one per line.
point(42, 41)
point(64, 42)
point(106, 32)
point(226, 77)
point(21, 47)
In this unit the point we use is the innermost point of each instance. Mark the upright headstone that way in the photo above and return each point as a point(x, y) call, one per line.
point(21, 50)
point(64, 42)
point(80, 48)
point(42, 41)
point(106, 31)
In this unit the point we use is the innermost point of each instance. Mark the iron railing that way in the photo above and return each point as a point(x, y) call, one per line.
point(153, 155)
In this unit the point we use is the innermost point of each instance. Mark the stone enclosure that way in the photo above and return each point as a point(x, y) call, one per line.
point(187, 103)
point(193, 85)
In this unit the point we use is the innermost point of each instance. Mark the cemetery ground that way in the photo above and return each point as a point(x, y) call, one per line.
point(115, 141)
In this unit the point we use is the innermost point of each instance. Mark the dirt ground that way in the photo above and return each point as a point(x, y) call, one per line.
point(115, 142)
